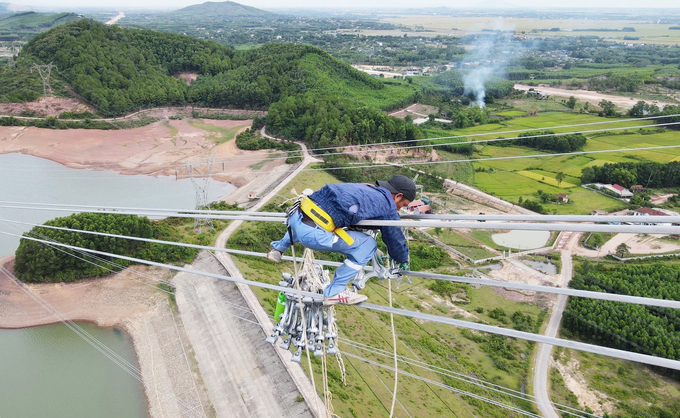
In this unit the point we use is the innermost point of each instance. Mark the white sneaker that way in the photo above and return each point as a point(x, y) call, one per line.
point(274, 256)
point(346, 297)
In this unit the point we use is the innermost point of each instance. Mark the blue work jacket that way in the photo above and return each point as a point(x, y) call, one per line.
point(350, 203)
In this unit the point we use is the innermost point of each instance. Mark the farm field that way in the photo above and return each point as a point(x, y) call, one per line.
point(647, 31)
point(522, 177)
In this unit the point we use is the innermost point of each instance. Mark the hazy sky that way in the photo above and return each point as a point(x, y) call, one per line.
point(388, 4)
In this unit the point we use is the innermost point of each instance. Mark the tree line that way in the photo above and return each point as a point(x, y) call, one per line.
point(643, 329)
point(39, 263)
point(546, 140)
point(654, 175)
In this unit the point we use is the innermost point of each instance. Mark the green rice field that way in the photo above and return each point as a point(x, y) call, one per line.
point(522, 177)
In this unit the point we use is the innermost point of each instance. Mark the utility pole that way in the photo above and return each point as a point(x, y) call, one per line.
point(45, 71)
point(13, 49)
point(201, 180)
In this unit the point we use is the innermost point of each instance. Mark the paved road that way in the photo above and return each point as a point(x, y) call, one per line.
point(542, 367)
point(240, 370)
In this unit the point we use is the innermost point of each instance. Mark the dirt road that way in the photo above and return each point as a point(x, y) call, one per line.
point(592, 97)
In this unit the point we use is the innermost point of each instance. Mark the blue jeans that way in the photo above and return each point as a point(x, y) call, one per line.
point(318, 239)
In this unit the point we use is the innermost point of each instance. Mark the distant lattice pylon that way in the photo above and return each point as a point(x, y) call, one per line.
point(201, 179)
point(13, 50)
point(45, 71)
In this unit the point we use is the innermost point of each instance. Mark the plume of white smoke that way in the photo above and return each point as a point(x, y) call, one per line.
point(489, 57)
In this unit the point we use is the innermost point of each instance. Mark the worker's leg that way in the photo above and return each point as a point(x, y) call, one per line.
point(358, 255)
point(314, 238)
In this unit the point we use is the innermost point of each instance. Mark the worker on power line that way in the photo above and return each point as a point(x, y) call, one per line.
point(317, 222)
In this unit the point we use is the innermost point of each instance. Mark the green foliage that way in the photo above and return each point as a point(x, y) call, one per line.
point(643, 329)
point(37, 262)
point(547, 140)
point(650, 175)
point(371, 174)
point(323, 121)
point(250, 140)
point(121, 70)
point(32, 22)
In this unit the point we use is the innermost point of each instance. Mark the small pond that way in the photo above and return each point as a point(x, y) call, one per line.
point(542, 266)
point(522, 240)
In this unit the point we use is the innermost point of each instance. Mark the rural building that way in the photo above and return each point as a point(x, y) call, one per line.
point(418, 206)
point(654, 212)
point(618, 190)
point(412, 71)
point(637, 188)
point(597, 212)
point(563, 198)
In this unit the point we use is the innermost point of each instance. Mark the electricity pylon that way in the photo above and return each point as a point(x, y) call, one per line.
point(201, 179)
point(45, 72)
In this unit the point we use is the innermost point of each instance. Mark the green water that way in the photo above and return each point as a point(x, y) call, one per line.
point(50, 372)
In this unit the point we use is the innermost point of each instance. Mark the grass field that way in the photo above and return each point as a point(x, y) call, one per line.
point(219, 135)
point(511, 179)
point(647, 31)
point(464, 245)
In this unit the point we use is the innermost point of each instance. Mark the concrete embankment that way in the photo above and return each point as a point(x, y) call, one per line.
point(243, 374)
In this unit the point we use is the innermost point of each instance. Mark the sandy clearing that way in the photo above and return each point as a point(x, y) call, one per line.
point(153, 149)
point(45, 107)
point(639, 244)
point(592, 97)
point(576, 383)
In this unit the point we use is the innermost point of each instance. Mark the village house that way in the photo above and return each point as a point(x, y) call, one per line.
point(562, 198)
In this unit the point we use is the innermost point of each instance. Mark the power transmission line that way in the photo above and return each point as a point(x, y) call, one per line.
point(590, 348)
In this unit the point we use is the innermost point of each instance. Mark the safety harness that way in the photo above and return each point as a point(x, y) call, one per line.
point(320, 217)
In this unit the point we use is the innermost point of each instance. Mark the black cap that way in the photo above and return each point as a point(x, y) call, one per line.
point(400, 184)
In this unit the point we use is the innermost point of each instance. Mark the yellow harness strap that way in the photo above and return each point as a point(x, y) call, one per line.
point(321, 218)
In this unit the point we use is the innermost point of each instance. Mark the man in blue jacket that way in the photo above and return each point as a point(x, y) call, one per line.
point(347, 204)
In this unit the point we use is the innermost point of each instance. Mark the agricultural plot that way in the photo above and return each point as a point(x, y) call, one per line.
point(522, 176)
point(546, 177)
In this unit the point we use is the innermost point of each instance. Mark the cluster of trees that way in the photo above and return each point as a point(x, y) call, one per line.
point(251, 140)
point(323, 121)
point(37, 262)
point(451, 83)
point(547, 140)
point(654, 175)
point(644, 329)
point(121, 70)
point(617, 82)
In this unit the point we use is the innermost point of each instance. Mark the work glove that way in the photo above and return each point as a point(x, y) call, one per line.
point(403, 266)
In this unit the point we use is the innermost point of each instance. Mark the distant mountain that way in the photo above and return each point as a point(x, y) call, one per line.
point(35, 22)
point(225, 9)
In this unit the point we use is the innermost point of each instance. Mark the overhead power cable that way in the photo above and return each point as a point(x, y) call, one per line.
point(433, 216)
point(293, 152)
point(611, 352)
point(635, 229)
point(434, 276)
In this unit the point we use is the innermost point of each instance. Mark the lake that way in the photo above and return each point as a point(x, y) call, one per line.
point(49, 371)
point(24, 178)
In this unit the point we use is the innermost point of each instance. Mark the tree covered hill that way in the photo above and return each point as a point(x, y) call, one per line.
point(224, 9)
point(120, 70)
point(32, 21)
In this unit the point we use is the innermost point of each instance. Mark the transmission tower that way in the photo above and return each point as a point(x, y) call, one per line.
point(199, 173)
point(45, 71)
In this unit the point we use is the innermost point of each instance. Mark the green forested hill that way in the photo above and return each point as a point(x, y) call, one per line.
point(120, 70)
point(35, 21)
point(225, 9)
